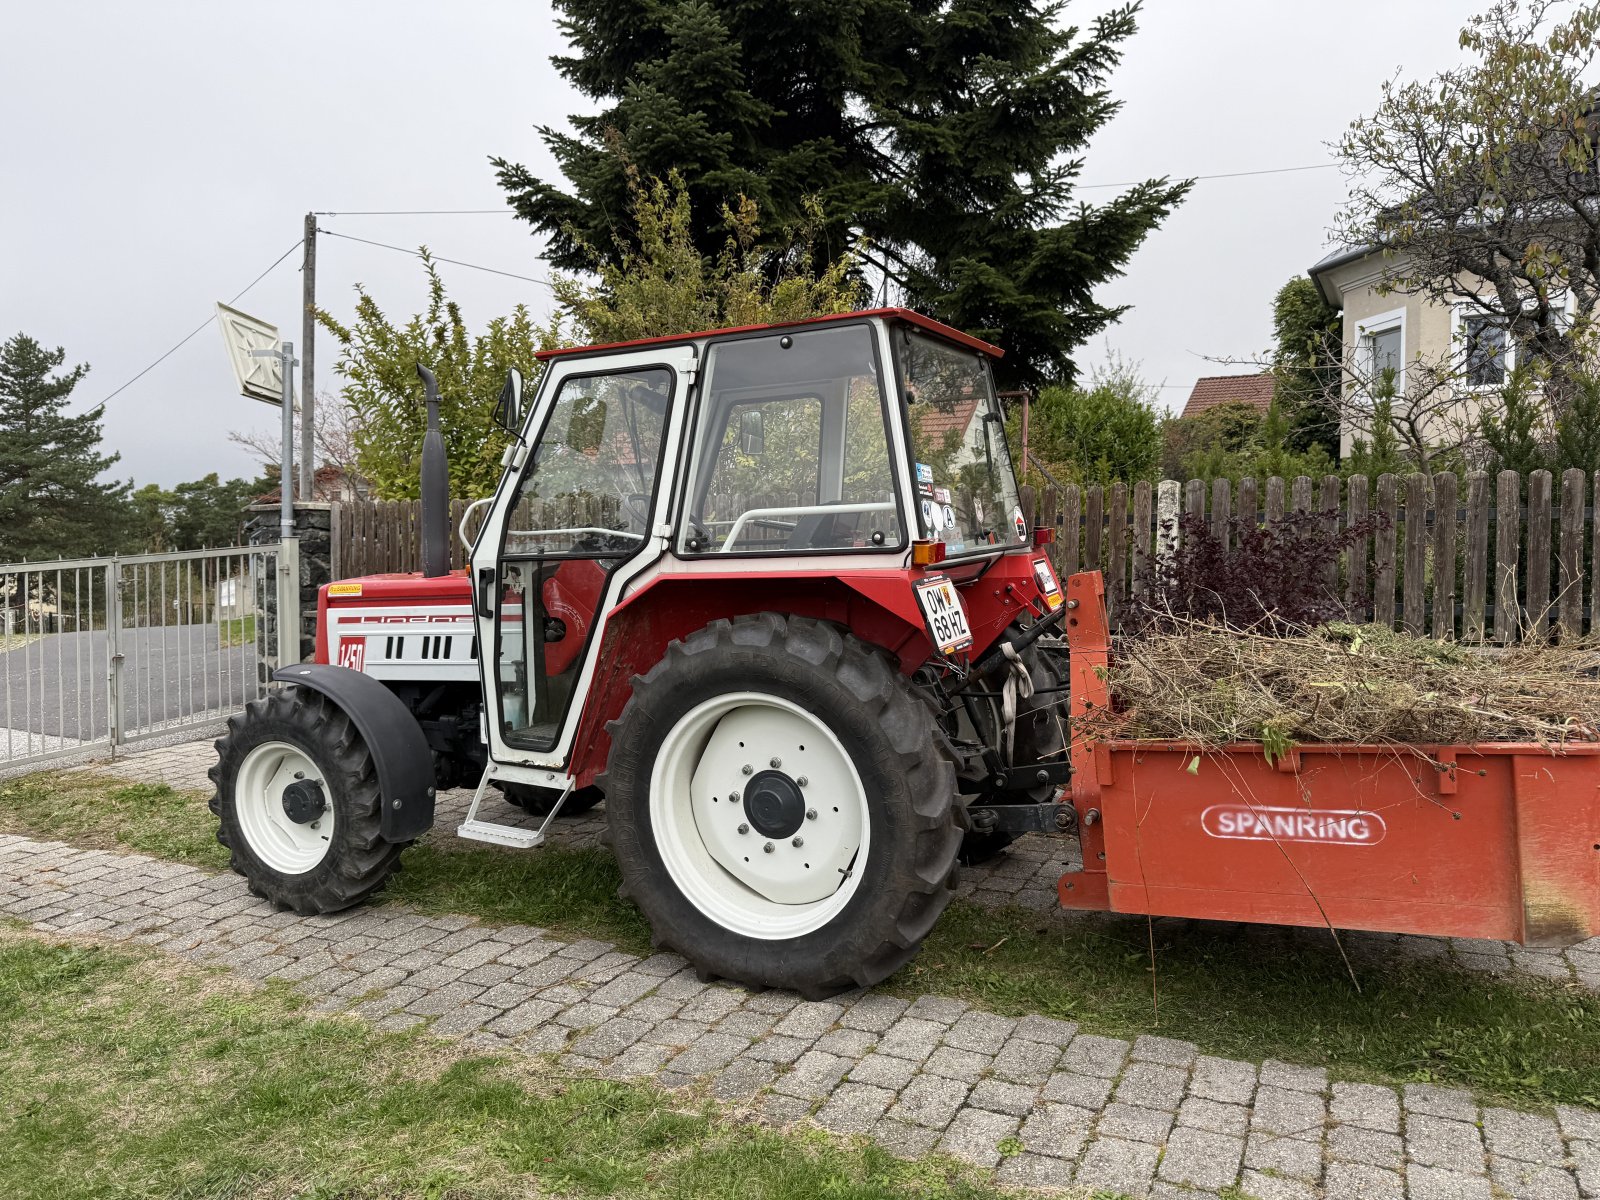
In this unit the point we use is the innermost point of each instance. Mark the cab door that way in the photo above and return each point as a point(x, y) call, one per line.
point(582, 509)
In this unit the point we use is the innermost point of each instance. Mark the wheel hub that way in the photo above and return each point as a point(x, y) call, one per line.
point(304, 801)
point(774, 805)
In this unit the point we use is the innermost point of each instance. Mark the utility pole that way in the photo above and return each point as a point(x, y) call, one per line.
point(308, 369)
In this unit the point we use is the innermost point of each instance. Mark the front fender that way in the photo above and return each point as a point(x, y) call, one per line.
point(399, 748)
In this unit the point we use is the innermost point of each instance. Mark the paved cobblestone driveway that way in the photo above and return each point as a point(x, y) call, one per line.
point(1150, 1118)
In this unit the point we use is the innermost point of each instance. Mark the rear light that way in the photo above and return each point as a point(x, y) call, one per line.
point(1043, 535)
point(925, 554)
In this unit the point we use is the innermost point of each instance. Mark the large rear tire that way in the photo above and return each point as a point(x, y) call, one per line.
point(298, 806)
point(779, 806)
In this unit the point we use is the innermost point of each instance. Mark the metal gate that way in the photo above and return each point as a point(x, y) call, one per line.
point(98, 653)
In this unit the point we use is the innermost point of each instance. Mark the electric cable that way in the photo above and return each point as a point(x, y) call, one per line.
point(187, 337)
point(435, 257)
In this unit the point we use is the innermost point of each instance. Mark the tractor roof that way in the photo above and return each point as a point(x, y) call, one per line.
point(937, 328)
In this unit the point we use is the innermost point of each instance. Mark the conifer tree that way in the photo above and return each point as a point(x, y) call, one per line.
point(943, 140)
point(53, 502)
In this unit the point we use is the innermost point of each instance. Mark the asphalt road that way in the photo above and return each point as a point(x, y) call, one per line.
point(57, 685)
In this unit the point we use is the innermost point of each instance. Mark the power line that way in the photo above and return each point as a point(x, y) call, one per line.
point(202, 324)
point(414, 212)
point(435, 257)
point(1087, 187)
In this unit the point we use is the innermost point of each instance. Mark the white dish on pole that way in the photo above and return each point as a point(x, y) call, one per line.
point(260, 376)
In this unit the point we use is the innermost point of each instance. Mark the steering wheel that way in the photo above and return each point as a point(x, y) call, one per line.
point(698, 533)
point(636, 505)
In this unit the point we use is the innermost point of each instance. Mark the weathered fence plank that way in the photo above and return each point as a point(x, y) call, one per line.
point(1143, 533)
point(1071, 519)
point(1274, 500)
point(1444, 555)
point(1538, 602)
point(1507, 539)
point(1414, 584)
point(1330, 526)
point(1300, 494)
point(1475, 565)
point(1221, 511)
point(1094, 522)
point(1383, 551)
point(1247, 509)
point(1571, 581)
point(1356, 593)
point(1117, 551)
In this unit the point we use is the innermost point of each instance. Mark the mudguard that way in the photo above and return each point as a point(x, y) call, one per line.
point(399, 748)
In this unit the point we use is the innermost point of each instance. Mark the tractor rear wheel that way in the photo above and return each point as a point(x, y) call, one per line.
point(298, 805)
point(779, 806)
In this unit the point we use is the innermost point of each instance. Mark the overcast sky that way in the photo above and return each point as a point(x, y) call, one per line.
point(158, 156)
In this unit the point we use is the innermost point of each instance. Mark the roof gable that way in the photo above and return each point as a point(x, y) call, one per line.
point(1212, 390)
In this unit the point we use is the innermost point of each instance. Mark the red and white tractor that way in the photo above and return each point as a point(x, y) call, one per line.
point(769, 592)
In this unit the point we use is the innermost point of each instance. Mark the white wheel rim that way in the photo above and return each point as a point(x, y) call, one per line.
point(697, 805)
point(282, 844)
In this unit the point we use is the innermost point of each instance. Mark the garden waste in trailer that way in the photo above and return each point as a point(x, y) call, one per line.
point(1498, 840)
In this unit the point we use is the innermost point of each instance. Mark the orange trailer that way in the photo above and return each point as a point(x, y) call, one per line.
point(1500, 840)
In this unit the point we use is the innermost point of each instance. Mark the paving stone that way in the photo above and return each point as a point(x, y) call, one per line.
point(1167, 1051)
point(1118, 1166)
point(851, 1043)
point(1435, 1183)
point(463, 1019)
point(1366, 1105)
point(1152, 1085)
point(912, 1038)
point(1522, 1136)
point(1582, 1123)
point(546, 1039)
point(747, 1023)
point(1351, 1143)
point(1201, 1158)
point(854, 1108)
point(626, 988)
point(1133, 1122)
point(583, 1015)
point(741, 1078)
point(902, 1140)
point(1091, 1055)
point(957, 1064)
point(1586, 1162)
point(776, 1003)
point(610, 1039)
point(710, 1006)
point(1046, 1031)
point(1025, 1062)
point(975, 1136)
point(444, 999)
point(1532, 1181)
point(709, 1052)
point(884, 1070)
point(1358, 1181)
point(1017, 1099)
point(813, 1076)
point(1435, 1142)
point(653, 1009)
point(1199, 1113)
point(1034, 1171)
point(779, 1049)
point(930, 1100)
point(873, 1012)
point(1278, 1110)
point(1451, 1103)
point(683, 986)
point(525, 1016)
point(1223, 1079)
point(1085, 1091)
point(1298, 1158)
point(980, 1032)
point(1057, 1129)
point(1296, 1079)
point(809, 1020)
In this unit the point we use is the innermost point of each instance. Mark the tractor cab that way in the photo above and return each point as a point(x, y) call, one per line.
point(751, 452)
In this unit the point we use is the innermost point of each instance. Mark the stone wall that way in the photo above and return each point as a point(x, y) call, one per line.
point(314, 522)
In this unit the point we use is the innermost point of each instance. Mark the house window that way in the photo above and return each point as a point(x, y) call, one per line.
point(1387, 348)
point(1484, 351)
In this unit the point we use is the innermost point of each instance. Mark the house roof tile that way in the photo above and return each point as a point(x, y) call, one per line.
point(1212, 390)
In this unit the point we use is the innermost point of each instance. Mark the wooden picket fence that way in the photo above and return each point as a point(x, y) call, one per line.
point(1467, 559)
point(1463, 559)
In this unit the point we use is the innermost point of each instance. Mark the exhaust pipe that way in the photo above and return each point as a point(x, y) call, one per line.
point(435, 486)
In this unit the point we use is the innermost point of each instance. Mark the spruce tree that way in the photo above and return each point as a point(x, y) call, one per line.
point(52, 501)
point(944, 142)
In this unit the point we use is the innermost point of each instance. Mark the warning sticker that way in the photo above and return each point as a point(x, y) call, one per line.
point(344, 589)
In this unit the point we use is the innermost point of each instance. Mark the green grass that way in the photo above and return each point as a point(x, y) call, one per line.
point(238, 631)
point(122, 1075)
point(1522, 1041)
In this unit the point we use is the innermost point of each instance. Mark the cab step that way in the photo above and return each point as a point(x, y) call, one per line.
point(516, 837)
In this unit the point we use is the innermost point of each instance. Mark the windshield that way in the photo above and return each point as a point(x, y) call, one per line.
point(966, 493)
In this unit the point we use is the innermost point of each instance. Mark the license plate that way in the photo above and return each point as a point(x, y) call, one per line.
point(943, 614)
point(1048, 586)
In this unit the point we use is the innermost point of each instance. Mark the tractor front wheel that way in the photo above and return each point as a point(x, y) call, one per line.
point(779, 806)
point(298, 805)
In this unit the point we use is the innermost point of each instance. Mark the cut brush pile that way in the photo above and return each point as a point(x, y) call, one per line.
point(1206, 683)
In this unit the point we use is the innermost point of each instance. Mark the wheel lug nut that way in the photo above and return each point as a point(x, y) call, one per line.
point(802, 781)
point(733, 797)
point(746, 769)
point(811, 814)
point(299, 774)
point(798, 842)
point(768, 847)
point(776, 762)
point(744, 829)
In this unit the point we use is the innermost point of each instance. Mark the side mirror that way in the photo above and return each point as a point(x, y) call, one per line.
point(752, 433)
point(508, 409)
